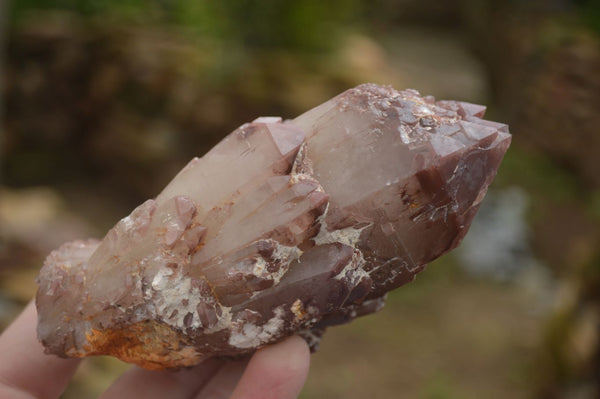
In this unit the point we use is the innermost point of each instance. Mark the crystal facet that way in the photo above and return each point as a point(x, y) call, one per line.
point(282, 228)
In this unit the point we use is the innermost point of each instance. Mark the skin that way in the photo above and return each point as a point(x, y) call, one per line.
point(274, 372)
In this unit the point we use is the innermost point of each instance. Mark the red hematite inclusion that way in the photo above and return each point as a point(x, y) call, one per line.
point(282, 228)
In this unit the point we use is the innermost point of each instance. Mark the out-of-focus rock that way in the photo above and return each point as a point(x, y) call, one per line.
point(37, 218)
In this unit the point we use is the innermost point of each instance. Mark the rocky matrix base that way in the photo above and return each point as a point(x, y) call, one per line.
point(282, 228)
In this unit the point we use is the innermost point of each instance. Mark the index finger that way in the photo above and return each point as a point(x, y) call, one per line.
point(276, 371)
point(25, 370)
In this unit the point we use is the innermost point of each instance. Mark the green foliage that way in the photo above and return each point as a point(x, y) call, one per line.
point(590, 13)
point(304, 24)
point(594, 205)
point(300, 24)
point(538, 174)
point(441, 386)
point(86, 7)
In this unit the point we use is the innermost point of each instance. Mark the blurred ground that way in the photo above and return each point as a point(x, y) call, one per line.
point(433, 340)
point(105, 101)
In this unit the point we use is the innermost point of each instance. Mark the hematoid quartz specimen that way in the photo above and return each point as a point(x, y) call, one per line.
point(282, 228)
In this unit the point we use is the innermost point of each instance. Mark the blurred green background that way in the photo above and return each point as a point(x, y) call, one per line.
point(103, 101)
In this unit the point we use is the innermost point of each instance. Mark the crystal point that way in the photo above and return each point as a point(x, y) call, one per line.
point(284, 227)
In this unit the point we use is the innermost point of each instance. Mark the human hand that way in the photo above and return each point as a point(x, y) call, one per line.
point(274, 372)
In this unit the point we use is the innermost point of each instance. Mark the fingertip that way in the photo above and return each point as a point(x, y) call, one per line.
point(25, 366)
point(292, 353)
point(276, 371)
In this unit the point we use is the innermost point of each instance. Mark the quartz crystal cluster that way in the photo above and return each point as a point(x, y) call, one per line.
point(284, 227)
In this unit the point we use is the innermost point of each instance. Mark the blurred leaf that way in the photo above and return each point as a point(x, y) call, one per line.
point(301, 24)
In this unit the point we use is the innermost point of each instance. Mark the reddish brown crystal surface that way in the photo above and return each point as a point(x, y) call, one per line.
point(282, 228)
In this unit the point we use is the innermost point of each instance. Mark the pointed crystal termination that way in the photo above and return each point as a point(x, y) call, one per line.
point(282, 228)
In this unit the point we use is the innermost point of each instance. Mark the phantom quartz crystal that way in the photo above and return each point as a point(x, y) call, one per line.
point(284, 227)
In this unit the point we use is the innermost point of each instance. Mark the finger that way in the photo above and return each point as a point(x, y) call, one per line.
point(223, 383)
point(275, 372)
point(140, 383)
point(25, 370)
